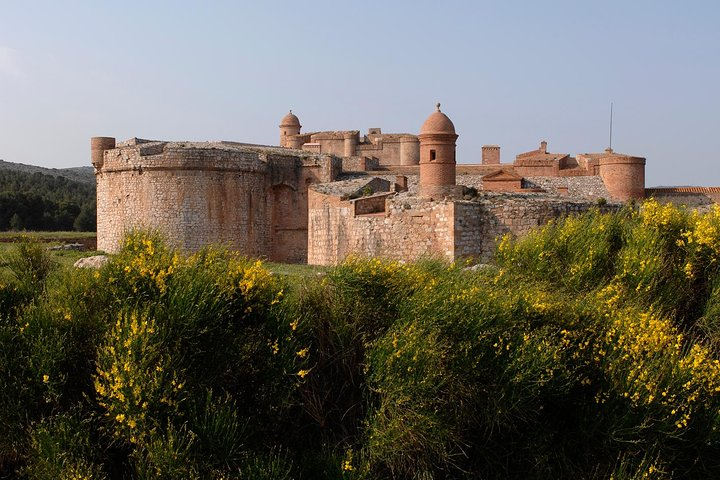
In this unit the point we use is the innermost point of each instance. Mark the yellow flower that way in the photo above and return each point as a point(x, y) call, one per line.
point(120, 417)
point(303, 373)
point(46, 378)
point(347, 465)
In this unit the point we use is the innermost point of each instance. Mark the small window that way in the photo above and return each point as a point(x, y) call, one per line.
point(432, 155)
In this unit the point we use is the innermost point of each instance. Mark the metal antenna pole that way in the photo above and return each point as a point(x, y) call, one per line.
point(611, 115)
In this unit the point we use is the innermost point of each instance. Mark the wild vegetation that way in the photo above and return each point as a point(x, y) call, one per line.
point(589, 351)
point(36, 201)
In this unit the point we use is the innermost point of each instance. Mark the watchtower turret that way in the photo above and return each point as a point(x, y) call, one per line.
point(437, 156)
point(289, 125)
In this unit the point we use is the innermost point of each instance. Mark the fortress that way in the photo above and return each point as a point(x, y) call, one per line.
point(319, 197)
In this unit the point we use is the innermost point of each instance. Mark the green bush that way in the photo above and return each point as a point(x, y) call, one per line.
point(30, 264)
point(64, 447)
point(589, 351)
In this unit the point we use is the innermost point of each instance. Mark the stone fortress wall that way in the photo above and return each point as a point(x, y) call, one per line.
point(322, 196)
point(245, 197)
point(409, 227)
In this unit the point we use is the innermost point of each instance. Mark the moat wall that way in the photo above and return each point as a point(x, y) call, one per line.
point(411, 228)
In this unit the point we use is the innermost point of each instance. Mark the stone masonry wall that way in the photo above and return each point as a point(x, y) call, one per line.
point(411, 228)
point(193, 197)
point(699, 198)
point(590, 186)
point(252, 199)
point(480, 223)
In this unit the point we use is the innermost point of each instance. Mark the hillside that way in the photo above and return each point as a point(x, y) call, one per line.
point(36, 198)
point(76, 174)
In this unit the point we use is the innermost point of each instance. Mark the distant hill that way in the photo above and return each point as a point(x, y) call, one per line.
point(46, 199)
point(77, 174)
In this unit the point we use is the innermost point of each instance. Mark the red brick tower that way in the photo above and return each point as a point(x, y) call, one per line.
point(437, 157)
point(623, 175)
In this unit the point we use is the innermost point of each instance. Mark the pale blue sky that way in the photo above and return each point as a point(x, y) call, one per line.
point(507, 72)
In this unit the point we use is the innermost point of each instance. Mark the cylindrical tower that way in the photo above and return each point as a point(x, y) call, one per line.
point(437, 156)
point(350, 141)
point(623, 176)
point(289, 125)
point(409, 150)
point(98, 145)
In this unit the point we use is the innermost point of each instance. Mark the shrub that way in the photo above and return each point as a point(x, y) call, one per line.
point(31, 265)
point(136, 384)
point(166, 455)
point(579, 252)
point(63, 447)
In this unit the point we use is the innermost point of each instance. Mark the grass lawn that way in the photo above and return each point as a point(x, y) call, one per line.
point(295, 270)
point(45, 236)
point(69, 257)
point(8, 241)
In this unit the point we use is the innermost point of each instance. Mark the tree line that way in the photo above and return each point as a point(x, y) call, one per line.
point(35, 201)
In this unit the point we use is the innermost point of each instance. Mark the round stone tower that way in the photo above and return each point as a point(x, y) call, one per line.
point(98, 145)
point(623, 175)
point(289, 125)
point(409, 150)
point(437, 156)
point(350, 141)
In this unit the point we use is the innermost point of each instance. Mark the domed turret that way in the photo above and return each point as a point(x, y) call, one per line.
point(438, 123)
point(437, 156)
point(289, 125)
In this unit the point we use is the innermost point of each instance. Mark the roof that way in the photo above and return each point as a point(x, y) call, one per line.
point(290, 120)
point(437, 122)
point(501, 176)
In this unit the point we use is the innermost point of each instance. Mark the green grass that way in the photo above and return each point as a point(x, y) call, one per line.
point(10, 240)
point(295, 270)
point(46, 236)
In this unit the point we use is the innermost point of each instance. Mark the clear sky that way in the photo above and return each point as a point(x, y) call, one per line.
point(507, 72)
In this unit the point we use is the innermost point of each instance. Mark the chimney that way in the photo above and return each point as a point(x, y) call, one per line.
point(490, 155)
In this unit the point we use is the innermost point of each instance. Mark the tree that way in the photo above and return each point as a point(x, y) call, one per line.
point(16, 222)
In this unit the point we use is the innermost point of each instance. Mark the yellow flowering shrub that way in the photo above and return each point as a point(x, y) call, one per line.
point(134, 382)
point(144, 265)
point(651, 364)
point(577, 251)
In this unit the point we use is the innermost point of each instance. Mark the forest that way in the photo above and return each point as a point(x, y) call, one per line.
point(41, 202)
